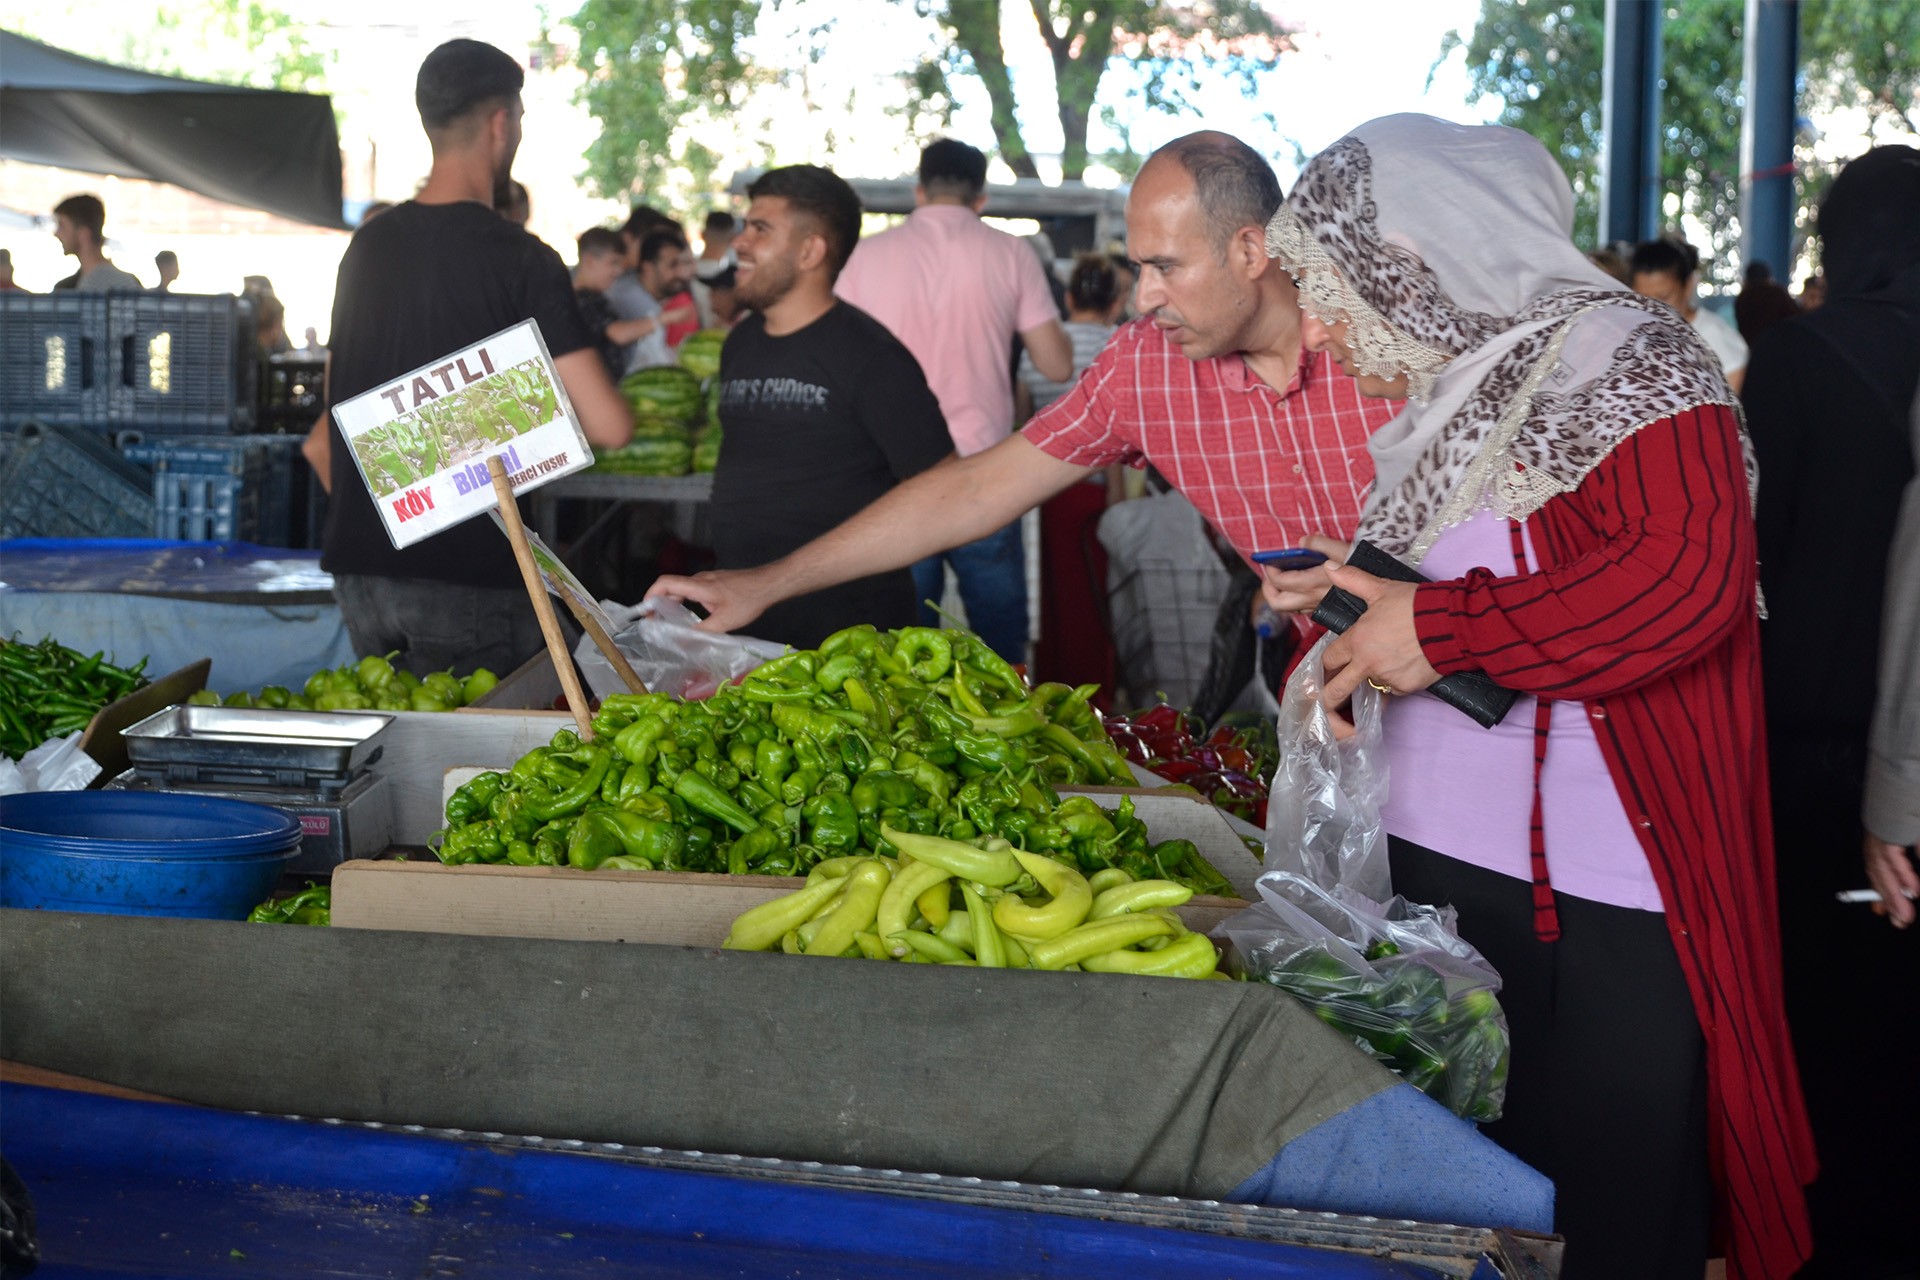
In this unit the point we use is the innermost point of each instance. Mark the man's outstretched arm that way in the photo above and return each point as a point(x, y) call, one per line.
point(957, 501)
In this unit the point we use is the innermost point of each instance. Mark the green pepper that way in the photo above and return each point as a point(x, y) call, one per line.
point(576, 794)
point(616, 778)
point(925, 776)
point(910, 643)
point(508, 811)
point(475, 842)
point(854, 754)
point(754, 796)
point(989, 751)
point(881, 789)
point(469, 803)
point(837, 670)
point(592, 841)
point(719, 773)
point(800, 724)
point(703, 795)
point(478, 684)
point(699, 847)
point(1083, 819)
point(799, 786)
point(832, 822)
point(312, 905)
point(640, 739)
point(375, 673)
point(658, 843)
point(651, 804)
point(752, 850)
point(860, 639)
point(772, 760)
point(875, 709)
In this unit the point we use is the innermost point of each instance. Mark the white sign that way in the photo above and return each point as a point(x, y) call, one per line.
point(422, 441)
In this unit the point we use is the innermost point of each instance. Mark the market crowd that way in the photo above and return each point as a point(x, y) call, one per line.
point(1690, 594)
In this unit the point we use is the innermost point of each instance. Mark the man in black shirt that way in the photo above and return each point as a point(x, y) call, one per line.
point(822, 409)
point(430, 276)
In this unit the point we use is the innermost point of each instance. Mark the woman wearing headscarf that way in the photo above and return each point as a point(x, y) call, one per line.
point(1571, 473)
point(1828, 403)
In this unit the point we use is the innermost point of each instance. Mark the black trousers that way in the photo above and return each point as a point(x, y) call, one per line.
point(437, 625)
point(1607, 1090)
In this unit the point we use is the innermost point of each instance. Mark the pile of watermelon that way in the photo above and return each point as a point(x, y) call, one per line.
point(676, 414)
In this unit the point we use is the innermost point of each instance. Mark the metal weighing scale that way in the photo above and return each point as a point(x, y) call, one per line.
point(316, 765)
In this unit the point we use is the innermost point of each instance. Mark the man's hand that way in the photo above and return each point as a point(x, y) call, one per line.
point(1301, 590)
point(1383, 648)
point(731, 597)
point(1890, 870)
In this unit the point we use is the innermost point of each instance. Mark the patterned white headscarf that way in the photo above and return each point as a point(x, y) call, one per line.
point(1446, 250)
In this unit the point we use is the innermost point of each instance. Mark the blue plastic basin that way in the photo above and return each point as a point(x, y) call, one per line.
point(140, 853)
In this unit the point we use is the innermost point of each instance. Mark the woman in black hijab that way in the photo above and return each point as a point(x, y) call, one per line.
point(1828, 396)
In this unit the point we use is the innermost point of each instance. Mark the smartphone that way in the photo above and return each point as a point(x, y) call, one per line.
point(1290, 558)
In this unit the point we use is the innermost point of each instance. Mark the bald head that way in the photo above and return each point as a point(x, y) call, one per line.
point(1233, 185)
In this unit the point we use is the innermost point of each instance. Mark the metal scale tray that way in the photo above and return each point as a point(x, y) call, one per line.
point(315, 751)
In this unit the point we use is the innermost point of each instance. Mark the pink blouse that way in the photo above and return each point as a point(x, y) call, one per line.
point(1467, 792)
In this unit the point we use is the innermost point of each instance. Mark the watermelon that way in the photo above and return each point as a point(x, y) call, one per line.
point(647, 457)
point(706, 449)
point(700, 352)
point(664, 393)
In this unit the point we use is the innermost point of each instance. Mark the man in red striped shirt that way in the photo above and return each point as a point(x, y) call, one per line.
point(1212, 385)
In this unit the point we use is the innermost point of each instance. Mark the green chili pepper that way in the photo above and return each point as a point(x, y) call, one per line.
point(576, 794)
point(911, 642)
point(772, 760)
point(475, 842)
point(312, 905)
point(832, 822)
point(837, 670)
point(701, 794)
point(469, 803)
point(881, 789)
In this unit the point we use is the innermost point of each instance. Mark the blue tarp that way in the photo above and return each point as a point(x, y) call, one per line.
point(132, 1188)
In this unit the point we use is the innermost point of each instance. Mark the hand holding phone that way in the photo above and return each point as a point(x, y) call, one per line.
point(1289, 559)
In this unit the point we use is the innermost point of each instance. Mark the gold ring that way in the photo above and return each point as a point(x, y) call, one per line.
point(1380, 688)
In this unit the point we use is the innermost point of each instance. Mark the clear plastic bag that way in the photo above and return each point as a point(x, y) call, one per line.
point(58, 764)
point(1323, 814)
point(663, 642)
point(1397, 977)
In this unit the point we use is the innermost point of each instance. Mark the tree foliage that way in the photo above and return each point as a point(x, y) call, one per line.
point(225, 41)
point(1544, 59)
point(1165, 44)
point(655, 71)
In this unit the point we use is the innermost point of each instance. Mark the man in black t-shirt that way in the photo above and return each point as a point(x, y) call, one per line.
point(430, 276)
point(822, 409)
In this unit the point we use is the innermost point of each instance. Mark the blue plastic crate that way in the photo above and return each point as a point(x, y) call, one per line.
point(62, 482)
point(265, 465)
point(205, 508)
point(53, 358)
point(181, 363)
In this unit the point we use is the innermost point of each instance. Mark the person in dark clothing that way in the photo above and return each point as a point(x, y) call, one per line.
point(822, 410)
point(1763, 302)
point(431, 276)
point(1828, 405)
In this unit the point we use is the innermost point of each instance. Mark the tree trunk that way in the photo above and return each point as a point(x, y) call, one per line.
point(1076, 75)
point(976, 29)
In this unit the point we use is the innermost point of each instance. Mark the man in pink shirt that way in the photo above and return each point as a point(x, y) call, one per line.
point(1212, 385)
point(956, 293)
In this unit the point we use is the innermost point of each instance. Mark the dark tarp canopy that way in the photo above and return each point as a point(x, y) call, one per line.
point(258, 148)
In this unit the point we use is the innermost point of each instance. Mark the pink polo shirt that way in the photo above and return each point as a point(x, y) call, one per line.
point(955, 292)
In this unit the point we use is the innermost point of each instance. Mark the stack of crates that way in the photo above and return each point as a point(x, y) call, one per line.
point(67, 482)
point(53, 359)
point(181, 363)
point(205, 488)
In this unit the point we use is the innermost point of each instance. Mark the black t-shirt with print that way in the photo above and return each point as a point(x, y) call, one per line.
point(817, 425)
point(418, 282)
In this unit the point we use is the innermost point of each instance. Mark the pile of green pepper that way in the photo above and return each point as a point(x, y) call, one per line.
point(49, 691)
point(808, 757)
point(372, 683)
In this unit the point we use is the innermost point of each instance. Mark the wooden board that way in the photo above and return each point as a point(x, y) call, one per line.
point(673, 908)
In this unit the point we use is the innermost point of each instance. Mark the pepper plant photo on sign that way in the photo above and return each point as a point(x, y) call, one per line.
point(422, 442)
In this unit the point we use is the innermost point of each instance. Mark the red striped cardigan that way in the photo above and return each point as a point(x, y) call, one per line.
point(1644, 610)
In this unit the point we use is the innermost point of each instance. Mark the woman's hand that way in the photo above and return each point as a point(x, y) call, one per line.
point(1382, 648)
point(1301, 590)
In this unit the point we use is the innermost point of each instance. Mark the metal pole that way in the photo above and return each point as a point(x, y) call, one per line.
point(1766, 134)
point(1630, 122)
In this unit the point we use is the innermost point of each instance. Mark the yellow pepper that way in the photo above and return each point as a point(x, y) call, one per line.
point(1074, 946)
point(1142, 895)
point(859, 903)
point(1192, 956)
point(1072, 899)
point(759, 928)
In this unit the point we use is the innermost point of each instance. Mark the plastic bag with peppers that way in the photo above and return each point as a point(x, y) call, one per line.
point(1396, 977)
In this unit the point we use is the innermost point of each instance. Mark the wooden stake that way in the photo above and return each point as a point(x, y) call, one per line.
point(591, 625)
point(542, 602)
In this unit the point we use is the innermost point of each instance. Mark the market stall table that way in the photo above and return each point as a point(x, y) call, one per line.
point(266, 615)
point(683, 495)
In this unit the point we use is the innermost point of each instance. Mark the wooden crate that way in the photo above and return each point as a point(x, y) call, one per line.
point(674, 908)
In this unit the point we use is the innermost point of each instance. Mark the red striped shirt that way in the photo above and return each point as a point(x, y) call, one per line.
point(1643, 609)
point(1264, 466)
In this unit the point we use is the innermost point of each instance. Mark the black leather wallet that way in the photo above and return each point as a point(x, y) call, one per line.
point(1469, 691)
